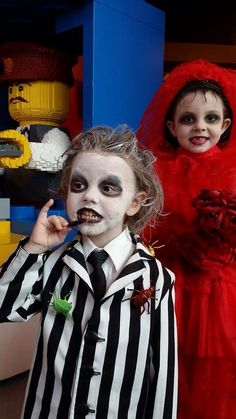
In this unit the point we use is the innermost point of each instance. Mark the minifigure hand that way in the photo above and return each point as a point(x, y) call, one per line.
point(48, 232)
point(14, 149)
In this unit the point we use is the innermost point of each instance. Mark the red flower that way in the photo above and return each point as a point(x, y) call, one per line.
point(216, 214)
point(213, 244)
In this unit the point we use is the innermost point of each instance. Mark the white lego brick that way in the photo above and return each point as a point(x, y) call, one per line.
point(48, 155)
point(4, 208)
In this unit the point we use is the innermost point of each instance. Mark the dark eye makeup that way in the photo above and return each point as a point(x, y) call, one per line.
point(190, 118)
point(78, 183)
point(186, 118)
point(109, 186)
point(213, 117)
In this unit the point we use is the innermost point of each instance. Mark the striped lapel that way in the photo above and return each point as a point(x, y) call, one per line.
point(134, 267)
point(74, 258)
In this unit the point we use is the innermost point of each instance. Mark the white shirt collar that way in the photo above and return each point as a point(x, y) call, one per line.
point(119, 249)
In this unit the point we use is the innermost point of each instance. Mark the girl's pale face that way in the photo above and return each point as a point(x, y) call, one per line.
point(199, 121)
point(102, 192)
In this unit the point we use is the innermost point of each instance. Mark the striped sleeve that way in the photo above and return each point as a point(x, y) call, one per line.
point(162, 403)
point(20, 285)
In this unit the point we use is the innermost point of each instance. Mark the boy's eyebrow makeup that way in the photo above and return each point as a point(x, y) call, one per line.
point(112, 180)
point(77, 176)
point(109, 179)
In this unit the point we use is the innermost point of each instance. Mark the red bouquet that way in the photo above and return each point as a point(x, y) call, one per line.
point(214, 240)
point(216, 214)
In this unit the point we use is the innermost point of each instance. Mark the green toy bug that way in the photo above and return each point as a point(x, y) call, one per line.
point(61, 305)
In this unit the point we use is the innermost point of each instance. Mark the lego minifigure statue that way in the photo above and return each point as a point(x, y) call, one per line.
point(38, 79)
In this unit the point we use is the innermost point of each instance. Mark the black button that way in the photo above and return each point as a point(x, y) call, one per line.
point(88, 371)
point(92, 337)
point(83, 409)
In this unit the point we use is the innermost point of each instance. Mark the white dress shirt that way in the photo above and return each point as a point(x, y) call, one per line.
point(119, 250)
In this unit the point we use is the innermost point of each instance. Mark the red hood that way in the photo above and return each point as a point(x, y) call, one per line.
point(151, 127)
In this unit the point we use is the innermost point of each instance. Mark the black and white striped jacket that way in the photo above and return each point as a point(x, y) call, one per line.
point(99, 361)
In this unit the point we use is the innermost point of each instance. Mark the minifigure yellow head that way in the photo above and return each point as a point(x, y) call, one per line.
point(39, 78)
point(38, 102)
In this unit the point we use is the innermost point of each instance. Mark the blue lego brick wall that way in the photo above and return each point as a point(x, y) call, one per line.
point(23, 218)
point(123, 50)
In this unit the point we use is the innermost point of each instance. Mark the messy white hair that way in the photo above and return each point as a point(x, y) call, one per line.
point(121, 142)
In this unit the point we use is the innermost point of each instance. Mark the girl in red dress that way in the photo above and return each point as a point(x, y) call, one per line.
point(189, 126)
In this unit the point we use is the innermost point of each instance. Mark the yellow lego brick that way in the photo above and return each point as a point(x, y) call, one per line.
point(5, 231)
point(7, 248)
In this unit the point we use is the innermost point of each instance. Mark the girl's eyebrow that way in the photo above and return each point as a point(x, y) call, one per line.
point(112, 180)
point(186, 113)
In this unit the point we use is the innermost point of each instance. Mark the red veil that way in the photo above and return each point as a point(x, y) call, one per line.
point(202, 257)
point(151, 127)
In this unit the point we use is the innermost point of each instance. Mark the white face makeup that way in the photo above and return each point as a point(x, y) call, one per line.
point(102, 192)
point(199, 122)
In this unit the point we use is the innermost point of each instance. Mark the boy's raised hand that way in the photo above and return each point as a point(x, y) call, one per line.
point(48, 232)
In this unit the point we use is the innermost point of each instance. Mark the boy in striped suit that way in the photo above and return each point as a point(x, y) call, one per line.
point(111, 356)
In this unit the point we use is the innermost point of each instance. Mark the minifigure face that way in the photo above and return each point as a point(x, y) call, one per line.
point(38, 101)
point(199, 121)
point(102, 192)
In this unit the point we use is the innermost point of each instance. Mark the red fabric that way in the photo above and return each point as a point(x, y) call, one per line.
point(204, 263)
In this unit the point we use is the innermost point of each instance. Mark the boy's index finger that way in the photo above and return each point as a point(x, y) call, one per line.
point(44, 210)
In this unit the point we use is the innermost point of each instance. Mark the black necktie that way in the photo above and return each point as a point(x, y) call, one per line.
point(98, 279)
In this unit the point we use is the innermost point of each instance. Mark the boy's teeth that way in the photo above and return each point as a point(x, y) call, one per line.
point(89, 216)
